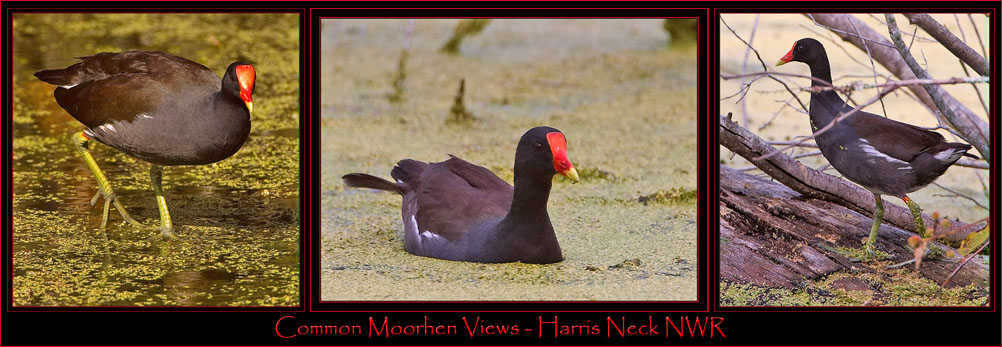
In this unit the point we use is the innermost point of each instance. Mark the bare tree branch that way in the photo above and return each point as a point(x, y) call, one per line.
point(951, 42)
point(744, 68)
point(971, 134)
point(841, 32)
point(859, 86)
point(964, 66)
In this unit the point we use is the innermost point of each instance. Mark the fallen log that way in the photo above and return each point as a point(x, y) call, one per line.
point(772, 236)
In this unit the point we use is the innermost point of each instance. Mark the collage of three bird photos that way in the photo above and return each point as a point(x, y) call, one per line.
point(358, 176)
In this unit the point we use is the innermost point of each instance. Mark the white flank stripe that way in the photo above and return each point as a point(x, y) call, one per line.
point(868, 149)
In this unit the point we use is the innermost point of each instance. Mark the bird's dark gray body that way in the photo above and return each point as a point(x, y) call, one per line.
point(882, 155)
point(874, 160)
point(140, 102)
point(456, 210)
point(448, 225)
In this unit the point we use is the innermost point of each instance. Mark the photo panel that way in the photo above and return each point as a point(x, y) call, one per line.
point(830, 142)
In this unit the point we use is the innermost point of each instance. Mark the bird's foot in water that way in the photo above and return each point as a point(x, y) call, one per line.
point(166, 233)
point(109, 199)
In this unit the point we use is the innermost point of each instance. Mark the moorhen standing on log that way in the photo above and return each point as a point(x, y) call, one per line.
point(455, 210)
point(156, 107)
point(884, 156)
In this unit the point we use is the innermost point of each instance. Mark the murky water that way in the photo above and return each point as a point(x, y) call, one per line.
point(625, 100)
point(237, 220)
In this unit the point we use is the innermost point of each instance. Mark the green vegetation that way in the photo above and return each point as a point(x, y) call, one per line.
point(897, 287)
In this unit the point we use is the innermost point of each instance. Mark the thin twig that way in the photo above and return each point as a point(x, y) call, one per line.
point(960, 195)
point(781, 143)
point(977, 91)
point(917, 37)
point(856, 86)
point(764, 68)
point(919, 81)
point(836, 43)
point(966, 259)
point(950, 41)
point(846, 32)
point(872, 65)
point(744, 68)
point(798, 156)
point(977, 33)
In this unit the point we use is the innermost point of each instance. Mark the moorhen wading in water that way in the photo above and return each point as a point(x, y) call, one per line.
point(156, 107)
point(884, 156)
point(455, 210)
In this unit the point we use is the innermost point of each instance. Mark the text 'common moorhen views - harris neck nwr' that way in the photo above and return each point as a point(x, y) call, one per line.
point(882, 155)
point(456, 210)
point(156, 107)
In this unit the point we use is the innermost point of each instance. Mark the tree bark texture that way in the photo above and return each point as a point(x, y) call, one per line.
point(953, 43)
point(772, 236)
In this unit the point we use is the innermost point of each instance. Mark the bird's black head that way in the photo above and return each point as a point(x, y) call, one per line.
point(238, 82)
point(806, 50)
point(544, 150)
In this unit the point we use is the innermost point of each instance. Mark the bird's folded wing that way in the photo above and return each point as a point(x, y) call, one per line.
point(885, 136)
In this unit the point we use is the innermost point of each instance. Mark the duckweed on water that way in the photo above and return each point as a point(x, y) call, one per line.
point(672, 196)
point(237, 219)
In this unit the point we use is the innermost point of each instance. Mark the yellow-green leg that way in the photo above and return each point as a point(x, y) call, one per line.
point(878, 217)
point(917, 214)
point(80, 141)
point(156, 176)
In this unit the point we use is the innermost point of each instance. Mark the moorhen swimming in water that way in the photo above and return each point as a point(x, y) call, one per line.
point(455, 210)
point(156, 107)
point(884, 156)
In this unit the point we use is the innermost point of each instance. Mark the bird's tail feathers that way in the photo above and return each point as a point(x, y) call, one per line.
point(362, 180)
point(55, 76)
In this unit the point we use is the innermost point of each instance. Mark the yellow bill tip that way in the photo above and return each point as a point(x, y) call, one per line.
point(572, 174)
